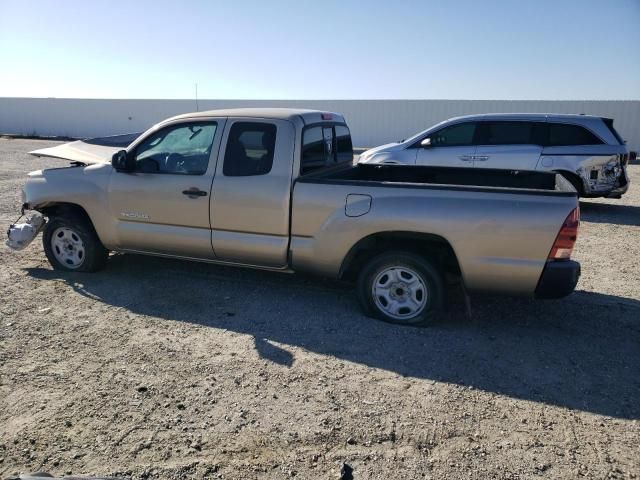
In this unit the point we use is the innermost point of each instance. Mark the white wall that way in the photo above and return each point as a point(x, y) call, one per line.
point(372, 122)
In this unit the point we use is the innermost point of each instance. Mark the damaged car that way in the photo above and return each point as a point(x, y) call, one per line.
point(277, 189)
point(584, 149)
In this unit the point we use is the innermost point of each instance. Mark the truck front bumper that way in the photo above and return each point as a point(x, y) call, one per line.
point(558, 279)
point(20, 235)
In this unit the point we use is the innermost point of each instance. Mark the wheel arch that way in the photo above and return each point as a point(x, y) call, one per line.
point(574, 179)
point(64, 209)
point(67, 209)
point(430, 246)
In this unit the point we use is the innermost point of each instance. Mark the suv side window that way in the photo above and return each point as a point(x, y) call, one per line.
point(182, 149)
point(250, 149)
point(458, 135)
point(562, 134)
point(507, 133)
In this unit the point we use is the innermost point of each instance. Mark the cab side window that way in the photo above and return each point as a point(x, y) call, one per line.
point(250, 149)
point(458, 135)
point(181, 149)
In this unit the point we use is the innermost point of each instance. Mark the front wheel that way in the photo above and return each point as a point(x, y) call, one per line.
point(72, 244)
point(401, 288)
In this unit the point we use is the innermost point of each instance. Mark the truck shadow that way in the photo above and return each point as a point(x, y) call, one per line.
point(607, 213)
point(581, 353)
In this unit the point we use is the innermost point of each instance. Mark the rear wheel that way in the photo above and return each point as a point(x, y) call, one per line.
point(72, 244)
point(401, 288)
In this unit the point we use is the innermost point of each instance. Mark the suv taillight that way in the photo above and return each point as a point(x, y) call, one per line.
point(566, 239)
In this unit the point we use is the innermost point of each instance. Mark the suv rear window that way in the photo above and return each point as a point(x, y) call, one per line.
point(325, 145)
point(562, 134)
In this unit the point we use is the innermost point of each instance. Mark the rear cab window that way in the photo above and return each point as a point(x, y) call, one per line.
point(325, 145)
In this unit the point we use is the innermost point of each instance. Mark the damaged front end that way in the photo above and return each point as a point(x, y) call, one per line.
point(20, 235)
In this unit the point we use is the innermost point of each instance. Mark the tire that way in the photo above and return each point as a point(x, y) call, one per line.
point(72, 244)
point(410, 286)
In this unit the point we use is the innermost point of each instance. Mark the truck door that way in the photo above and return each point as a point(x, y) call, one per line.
point(251, 200)
point(451, 146)
point(163, 205)
point(508, 145)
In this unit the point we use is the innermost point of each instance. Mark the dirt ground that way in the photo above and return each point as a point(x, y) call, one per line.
point(167, 369)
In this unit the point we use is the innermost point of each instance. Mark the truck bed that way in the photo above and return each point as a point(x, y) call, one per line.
point(500, 224)
point(508, 181)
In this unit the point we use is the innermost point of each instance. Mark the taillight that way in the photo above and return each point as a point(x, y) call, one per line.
point(566, 239)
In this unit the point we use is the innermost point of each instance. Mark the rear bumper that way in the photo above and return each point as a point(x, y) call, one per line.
point(606, 190)
point(622, 187)
point(558, 279)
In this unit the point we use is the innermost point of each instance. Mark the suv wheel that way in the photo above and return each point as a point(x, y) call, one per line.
point(72, 244)
point(401, 288)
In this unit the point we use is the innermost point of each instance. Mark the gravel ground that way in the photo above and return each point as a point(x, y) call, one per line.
point(167, 369)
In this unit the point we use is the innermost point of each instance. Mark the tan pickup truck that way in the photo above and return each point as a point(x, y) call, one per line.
point(278, 189)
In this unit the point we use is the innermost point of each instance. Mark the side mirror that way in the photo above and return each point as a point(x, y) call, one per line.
point(122, 162)
point(426, 143)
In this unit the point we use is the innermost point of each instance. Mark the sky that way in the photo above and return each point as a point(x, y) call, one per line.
point(321, 49)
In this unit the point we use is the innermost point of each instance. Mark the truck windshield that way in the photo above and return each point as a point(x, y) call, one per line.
point(325, 145)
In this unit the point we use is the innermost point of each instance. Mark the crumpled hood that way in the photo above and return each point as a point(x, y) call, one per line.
point(89, 151)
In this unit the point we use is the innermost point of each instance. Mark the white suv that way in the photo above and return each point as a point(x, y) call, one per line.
point(585, 149)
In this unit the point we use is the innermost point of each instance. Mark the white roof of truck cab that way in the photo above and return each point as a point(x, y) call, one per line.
point(100, 150)
point(307, 116)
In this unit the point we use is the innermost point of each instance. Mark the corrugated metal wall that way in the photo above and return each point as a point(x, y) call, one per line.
point(372, 122)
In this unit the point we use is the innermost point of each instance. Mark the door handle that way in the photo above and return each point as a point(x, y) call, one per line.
point(465, 158)
point(481, 158)
point(194, 192)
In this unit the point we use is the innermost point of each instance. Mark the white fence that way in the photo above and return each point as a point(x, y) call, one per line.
point(372, 122)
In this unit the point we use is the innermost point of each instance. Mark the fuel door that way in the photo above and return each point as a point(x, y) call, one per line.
point(357, 205)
